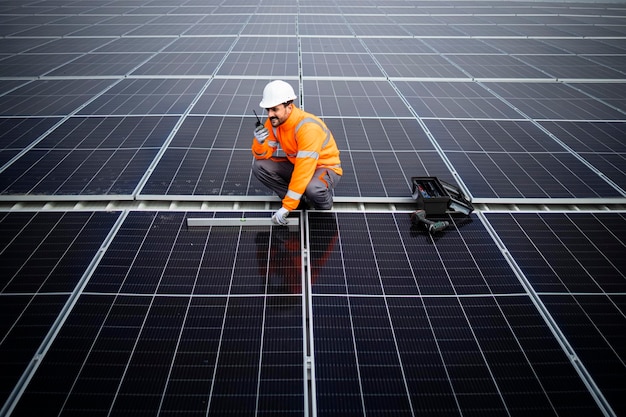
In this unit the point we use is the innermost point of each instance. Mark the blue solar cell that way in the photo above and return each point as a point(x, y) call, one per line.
point(43, 256)
point(384, 254)
point(187, 64)
point(594, 325)
point(50, 97)
point(403, 351)
point(66, 163)
point(566, 252)
point(21, 133)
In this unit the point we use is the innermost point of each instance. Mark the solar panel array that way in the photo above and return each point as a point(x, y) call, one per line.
point(116, 310)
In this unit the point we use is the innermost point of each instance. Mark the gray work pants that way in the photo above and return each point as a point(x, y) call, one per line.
point(276, 173)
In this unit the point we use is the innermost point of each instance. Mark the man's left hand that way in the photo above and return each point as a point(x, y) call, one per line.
point(280, 217)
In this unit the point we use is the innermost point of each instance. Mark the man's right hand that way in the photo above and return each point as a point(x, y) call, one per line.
point(261, 133)
point(280, 217)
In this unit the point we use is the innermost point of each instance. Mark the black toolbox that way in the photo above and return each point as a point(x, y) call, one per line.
point(440, 197)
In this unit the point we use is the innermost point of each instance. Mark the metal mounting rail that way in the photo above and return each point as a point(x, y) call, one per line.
point(253, 221)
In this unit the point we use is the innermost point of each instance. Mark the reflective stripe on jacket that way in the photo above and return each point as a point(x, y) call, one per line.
point(307, 143)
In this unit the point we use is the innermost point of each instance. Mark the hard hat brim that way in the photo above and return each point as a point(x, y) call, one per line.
point(269, 105)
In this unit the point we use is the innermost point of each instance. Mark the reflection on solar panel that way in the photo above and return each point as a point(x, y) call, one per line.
point(115, 117)
point(180, 320)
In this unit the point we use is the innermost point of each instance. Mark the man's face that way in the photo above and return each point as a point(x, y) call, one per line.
point(278, 114)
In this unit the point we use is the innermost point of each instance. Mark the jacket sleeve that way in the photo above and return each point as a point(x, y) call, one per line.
point(310, 139)
point(266, 149)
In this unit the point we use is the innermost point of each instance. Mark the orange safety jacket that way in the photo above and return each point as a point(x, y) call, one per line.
point(307, 143)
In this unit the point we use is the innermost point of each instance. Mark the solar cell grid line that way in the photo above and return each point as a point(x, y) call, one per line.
point(506, 365)
point(146, 96)
point(51, 97)
point(493, 173)
point(90, 164)
point(579, 294)
point(609, 93)
point(194, 358)
point(21, 133)
point(553, 101)
point(572, 67)
point(598, 143)
point(230, 97)
point(454, 100)
point(594, 324)
point(43, 257)
point(575, 253)
point(353, 98)
point(405, 260)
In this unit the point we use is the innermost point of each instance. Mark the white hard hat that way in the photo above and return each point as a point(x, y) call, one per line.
point(275, 93)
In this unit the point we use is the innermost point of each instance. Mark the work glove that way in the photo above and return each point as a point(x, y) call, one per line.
point(280, 217)
point(261, 133)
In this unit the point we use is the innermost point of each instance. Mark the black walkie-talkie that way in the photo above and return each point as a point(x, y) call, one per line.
point(258, 121)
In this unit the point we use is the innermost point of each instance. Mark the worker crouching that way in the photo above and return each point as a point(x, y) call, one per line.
point(311, 167)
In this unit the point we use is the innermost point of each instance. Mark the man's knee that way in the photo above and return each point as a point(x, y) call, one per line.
point(264, 170)
point(319, 192)
point(258, 167)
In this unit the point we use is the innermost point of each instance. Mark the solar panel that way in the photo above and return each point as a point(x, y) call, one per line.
point(508, 159)
point(101, 64)
point(351, 98)
point(331, 65)
point(43, 257)
point(33, 65)
point(496, 66)
point(386, 337)
point(554, 101)
point(583, 46)
point(522, 46)
point(21, 133)
point(574, 264)
point(70, 45)
point(200, 304)
point(456, 46)
point(571, 66)
point(146, 96)
point(266, 64)
point(607, 92)
point(50, 97)
point(420, 66)
point(73, 160)
point(454, 100)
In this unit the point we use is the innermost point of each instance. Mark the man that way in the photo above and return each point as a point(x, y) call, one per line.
point(311, 168)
